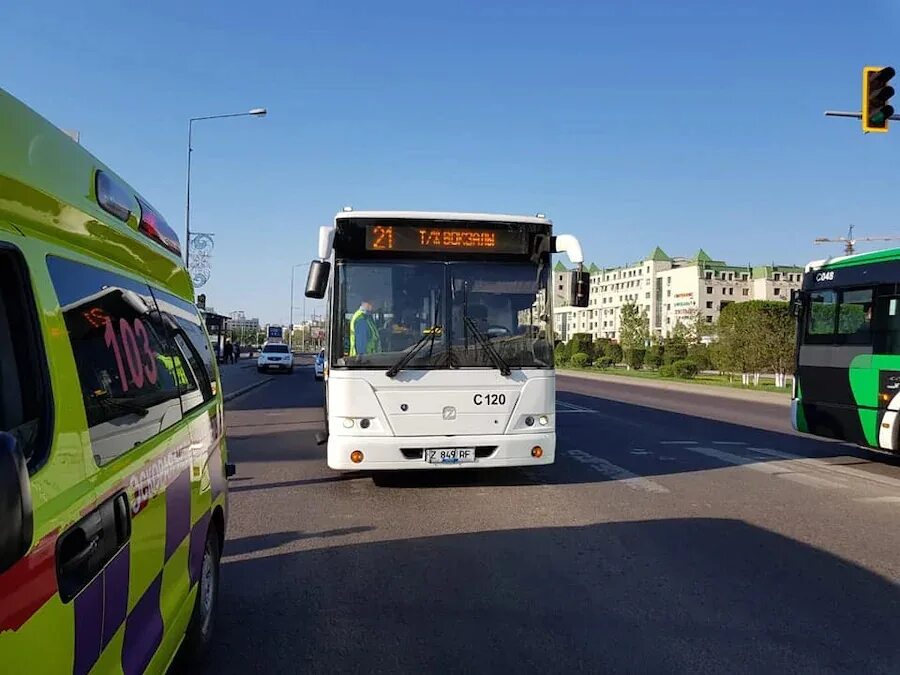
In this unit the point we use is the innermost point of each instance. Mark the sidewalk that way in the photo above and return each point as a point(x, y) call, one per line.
point(707, 389)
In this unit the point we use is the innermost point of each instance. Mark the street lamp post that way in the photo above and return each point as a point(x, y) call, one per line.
point(292, 304)
point(255, 112)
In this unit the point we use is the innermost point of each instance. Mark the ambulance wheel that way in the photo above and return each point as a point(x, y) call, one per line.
point(203, 619)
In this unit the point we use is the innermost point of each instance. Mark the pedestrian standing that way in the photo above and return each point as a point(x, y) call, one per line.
point(229, 352)
point(237, 351)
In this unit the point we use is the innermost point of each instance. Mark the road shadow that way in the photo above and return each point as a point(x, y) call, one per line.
point(286, 390)
point(321, 480)
point(261, 542)
point(621, 427)
point(456, 478)
point(640, 439)
point(676, 595)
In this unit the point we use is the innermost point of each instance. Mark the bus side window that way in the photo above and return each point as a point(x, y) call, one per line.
point(887, 325)
point(855, 316)
point(821, 315)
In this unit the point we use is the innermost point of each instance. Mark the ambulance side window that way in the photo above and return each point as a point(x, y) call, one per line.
point(25, 400)
point(188, 325)
point(131, 373)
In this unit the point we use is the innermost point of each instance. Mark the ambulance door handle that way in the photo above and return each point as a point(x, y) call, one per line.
point(77, 553)
point(90, 544)
point(122, 519)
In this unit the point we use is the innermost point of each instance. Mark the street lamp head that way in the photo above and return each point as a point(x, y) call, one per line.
point(258, 112)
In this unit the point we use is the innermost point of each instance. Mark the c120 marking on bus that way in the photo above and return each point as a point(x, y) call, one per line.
point(825, 276)
point(489, 399)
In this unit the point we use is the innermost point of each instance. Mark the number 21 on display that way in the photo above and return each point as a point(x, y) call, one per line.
point(141, 359)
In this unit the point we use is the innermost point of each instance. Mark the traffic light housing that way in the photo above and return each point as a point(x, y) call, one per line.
point(876, 108)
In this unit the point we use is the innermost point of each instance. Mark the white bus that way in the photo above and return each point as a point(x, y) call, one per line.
point(440, 341)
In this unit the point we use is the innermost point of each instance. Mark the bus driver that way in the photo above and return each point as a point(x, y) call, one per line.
point(364, 337)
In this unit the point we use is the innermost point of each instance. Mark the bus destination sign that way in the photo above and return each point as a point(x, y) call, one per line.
point(411, 239)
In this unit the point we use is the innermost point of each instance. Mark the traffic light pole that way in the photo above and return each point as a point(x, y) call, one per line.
point(854, 115)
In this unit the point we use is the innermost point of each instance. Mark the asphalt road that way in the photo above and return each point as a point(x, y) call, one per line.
point(676, 533)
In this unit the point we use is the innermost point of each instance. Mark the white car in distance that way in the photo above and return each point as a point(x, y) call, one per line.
point(275, 357)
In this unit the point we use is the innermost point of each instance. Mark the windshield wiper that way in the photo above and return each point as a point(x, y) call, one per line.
point(415, 349)
point(485, 343)
point(435, 330)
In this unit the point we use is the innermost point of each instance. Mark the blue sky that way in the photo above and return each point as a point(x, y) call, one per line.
point(682, 124)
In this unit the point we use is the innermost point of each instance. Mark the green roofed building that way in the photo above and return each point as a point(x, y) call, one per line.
point(670, 289)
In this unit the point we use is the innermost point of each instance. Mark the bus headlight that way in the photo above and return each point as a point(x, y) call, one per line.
point(543, 420)
point(529, 421)
point(348, 423)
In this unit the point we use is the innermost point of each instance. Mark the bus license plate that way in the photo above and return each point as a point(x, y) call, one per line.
point(450, 455)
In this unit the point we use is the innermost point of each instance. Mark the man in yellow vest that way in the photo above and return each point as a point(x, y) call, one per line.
point(364, 337)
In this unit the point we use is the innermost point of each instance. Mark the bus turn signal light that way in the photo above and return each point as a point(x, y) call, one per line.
point(537, 452)
point(356, 456)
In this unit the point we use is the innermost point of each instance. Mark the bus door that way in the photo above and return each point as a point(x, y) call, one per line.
point(886, 359)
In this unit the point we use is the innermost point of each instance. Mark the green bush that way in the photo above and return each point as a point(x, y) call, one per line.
point(674, 351)
point(613, 352)
point(666, 371)
point(560, 354)
point(654, 357)
point(580, 360)
point(635, 358)
point(685, 369)
point(700, 355)
point(581, 343)
point(603, 362)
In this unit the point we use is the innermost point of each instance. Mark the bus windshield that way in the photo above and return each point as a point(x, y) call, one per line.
point(465, 310)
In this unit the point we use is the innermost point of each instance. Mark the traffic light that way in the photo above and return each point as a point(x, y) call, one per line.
point(876, 109)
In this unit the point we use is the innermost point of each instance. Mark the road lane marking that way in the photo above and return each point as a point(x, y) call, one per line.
point(678, 442)
point(822, 465)
point(571, 408)
point(640, 451)
point(728, 443)
point(878, 500)
point(809, 480)
point(771, 468)
point(617, 473)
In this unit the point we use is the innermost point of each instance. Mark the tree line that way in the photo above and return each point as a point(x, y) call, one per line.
point(748, 339)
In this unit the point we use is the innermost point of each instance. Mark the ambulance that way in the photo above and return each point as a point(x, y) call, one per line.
point(113, 465)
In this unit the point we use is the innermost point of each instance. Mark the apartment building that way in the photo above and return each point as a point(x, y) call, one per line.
point(669, 289)
point(239, 322)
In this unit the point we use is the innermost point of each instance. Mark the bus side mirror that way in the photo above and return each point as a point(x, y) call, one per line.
point(581, 289)
point(796, 302)
point(317, 280)
point(15, 503)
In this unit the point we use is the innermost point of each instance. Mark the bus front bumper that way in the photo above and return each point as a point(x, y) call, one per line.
point(394, 453)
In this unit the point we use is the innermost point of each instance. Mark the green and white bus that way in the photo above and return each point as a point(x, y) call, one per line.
point(848, 350)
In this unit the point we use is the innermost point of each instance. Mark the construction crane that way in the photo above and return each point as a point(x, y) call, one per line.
point(849, 241)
